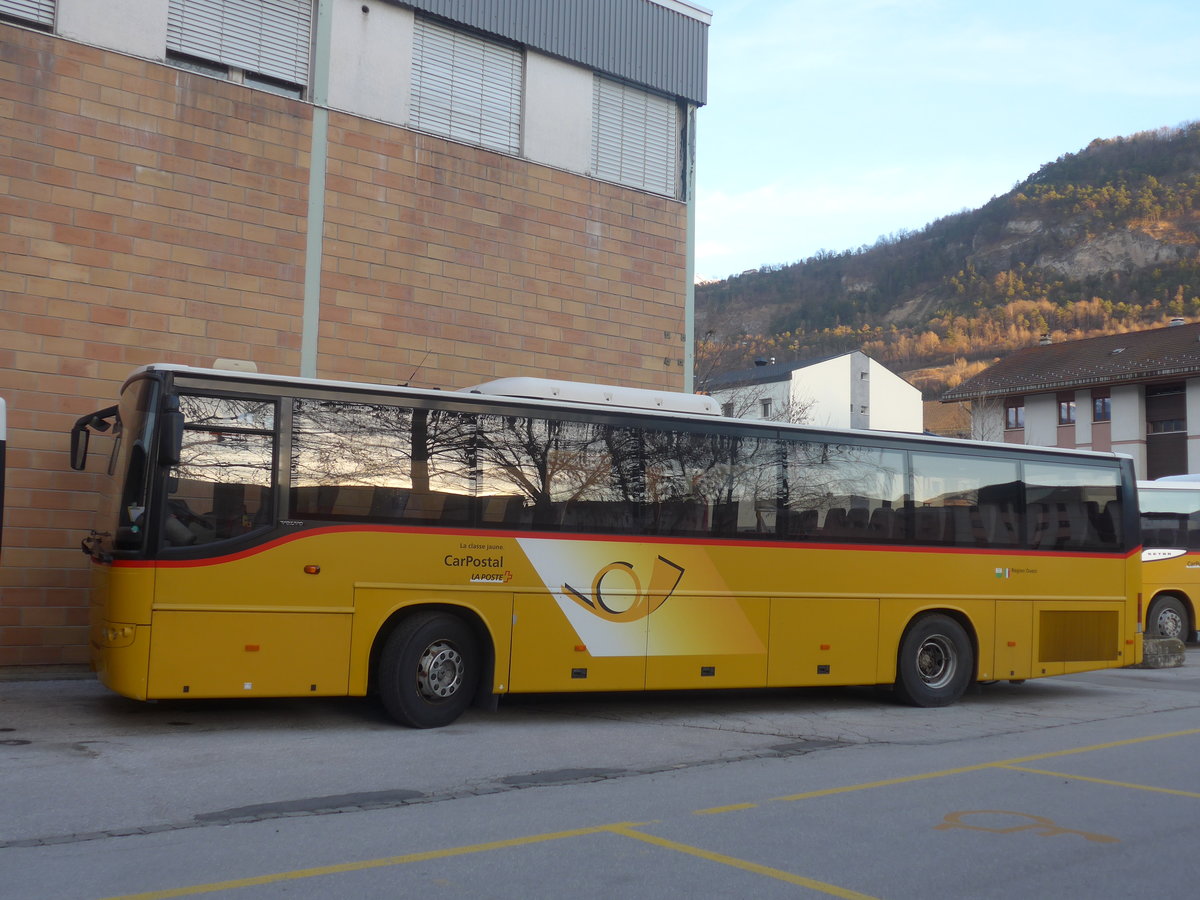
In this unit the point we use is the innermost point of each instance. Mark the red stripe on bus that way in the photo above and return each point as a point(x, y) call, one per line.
point(629, 539)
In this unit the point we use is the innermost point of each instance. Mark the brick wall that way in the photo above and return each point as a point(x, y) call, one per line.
point(151, 214)
point(492, 267)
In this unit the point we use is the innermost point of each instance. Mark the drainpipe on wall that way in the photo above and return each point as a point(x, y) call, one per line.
point(318, 159)
point(689, 273)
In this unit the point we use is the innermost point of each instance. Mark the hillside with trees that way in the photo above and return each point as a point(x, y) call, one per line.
point(1100, 241)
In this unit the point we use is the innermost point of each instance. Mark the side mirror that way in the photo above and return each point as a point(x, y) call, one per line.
point(79, 448)
point(79, 434)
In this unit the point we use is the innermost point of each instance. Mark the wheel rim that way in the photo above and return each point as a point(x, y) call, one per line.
point(439, 671)
point(1168, 623)
point(937, 661)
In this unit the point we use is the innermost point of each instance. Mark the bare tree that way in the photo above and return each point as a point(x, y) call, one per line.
point(987, 419)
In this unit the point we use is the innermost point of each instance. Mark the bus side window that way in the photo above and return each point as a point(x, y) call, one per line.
point(966, 501)
point(842, 492)
point(220, 488)
point(1065, 504)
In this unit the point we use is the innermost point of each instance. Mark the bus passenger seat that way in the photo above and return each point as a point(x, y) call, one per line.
point(835, 522)
point(857, 519)
point(882, 526)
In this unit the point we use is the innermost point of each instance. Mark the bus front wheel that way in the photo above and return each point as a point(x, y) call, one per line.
point(428, 670)
point(935, 663)
point(1167, 619)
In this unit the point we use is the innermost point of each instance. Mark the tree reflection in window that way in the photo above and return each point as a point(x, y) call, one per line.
point(577, 476)
point(360, 460)
point(844, 492)
point(717, 484)
point(221, 487)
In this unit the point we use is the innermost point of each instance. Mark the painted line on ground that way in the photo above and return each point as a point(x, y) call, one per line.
point(1121, 784)
point(716, 810)
point(1001, 764)
point(628, 829)
point(384, 862)
point(745, 865)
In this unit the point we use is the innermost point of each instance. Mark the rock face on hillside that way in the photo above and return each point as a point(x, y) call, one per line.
point(1078, 255)
point(1118, 251)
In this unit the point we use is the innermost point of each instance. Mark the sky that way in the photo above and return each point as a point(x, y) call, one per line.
point(833, 123)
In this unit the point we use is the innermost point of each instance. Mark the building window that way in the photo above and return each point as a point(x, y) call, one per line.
point(262, 43)
point(1066, 409)
point(29, 12)
point(635, 137)
point(1014, 413)
point(1166, 426)
point(765, 408)
point(1101, 408)
point(466, 88)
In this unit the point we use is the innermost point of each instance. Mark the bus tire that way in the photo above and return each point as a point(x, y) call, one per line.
point(428, 670)
point(935, 663)
point(1167, 618)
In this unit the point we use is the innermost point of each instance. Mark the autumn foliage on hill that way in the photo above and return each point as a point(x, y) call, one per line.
point(1101, 241)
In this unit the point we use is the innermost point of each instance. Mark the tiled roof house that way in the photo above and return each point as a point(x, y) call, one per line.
point(1135, 393)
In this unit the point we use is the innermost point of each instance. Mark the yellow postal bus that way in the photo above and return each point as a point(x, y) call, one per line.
point(274, 536)
point(1170, 510)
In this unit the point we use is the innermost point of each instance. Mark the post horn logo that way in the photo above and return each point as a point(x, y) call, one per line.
point(617, 608)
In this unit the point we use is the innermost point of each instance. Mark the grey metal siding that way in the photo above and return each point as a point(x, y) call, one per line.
point(634, 40)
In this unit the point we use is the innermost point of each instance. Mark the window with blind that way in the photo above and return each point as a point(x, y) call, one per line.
point(35, 12)
point(466, 88)
point(269, 38)
point(635, 137)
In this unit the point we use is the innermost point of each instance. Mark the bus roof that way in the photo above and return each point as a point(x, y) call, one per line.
point(1176, 484)
point(598, 394)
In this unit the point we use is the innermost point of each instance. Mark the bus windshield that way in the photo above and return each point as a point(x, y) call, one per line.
point(1170, 515)
point(124, 499)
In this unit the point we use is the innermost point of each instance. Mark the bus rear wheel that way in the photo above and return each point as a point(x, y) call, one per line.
point(935, 663)
point(428, 670)
point(1167, 619)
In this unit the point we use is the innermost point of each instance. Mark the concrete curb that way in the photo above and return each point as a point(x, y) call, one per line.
point(1162, 653)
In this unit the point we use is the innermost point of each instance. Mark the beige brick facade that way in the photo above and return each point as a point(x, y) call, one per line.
point(150, 214)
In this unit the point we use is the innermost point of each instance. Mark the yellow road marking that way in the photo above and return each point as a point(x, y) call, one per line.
point(1001, 764)
point(1039, 825)
point(743, 864)
point(1121, 784)
point(339, 868)
point(1128, 742)
point(733, 807)
point(887, 782)
point(626, 829)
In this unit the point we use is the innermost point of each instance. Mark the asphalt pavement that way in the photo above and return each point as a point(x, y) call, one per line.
point(1065, 787)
